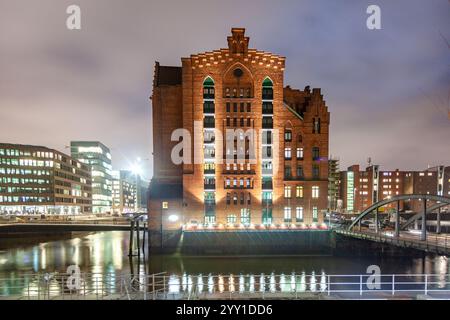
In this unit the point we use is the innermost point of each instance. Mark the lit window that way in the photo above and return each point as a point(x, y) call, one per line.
point(315, 192)
point(288, 135)
point(287, 214)
point(299, 214)
point(299, 191)
point(165, 205)
point(315, 214)
point(299, 153)
point(231, 219)
point(287, 153)
point(287, 191)
point(245, 216)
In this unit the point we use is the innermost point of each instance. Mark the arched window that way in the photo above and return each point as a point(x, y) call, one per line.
point(208, 88)
point(267, 89)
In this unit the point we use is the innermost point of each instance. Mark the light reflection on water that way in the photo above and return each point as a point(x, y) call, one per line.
point(265, 283)
point(106, 255)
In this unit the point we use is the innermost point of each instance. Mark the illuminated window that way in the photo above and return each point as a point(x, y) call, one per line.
point(287, 192)
point(245, 216)
point(315, 214)
point(165, 205)
point(299, 191)
point(231, 219)
point(299, 214)
point(288, 135)
point(210, 219)
point(287, 153)
point(287, 214)
point(315, 192)
point(299, 153)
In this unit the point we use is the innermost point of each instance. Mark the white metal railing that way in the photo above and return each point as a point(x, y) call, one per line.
point(262, 286)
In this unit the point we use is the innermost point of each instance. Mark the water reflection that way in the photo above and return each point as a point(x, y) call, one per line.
point(246, 283)
point(106, 255)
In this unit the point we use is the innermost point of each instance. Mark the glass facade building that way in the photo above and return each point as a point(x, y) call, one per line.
point(124, 194)
point(39, 180)
point(98, 157)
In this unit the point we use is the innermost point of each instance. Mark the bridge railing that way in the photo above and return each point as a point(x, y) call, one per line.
point(437, 242)
point(263, 286)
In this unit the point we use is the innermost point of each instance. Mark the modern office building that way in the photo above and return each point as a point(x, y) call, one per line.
point(39, 180)
point(124, 194)
point(361, 188)
point(98, 157)
point(255, 151)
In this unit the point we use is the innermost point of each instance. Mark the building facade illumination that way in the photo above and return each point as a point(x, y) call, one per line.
point(39, 180)
point(98, 157)
point(242, 182)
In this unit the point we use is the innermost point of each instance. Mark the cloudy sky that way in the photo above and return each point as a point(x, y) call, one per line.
point(388, 90)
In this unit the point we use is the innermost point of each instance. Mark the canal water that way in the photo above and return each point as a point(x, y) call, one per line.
point(106, 253)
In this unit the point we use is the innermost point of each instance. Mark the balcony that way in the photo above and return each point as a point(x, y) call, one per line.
point(267, 171)
point(210, 171)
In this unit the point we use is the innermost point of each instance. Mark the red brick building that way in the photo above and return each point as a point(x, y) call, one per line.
point(278, 175)
point(360, 189)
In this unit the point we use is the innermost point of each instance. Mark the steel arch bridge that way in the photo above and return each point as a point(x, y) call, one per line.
point(418, 216)
point(441, 201)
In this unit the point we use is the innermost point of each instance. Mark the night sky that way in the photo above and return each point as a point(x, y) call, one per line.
point(388, 90)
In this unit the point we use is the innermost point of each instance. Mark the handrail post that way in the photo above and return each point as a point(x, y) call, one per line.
point(360, 284)
point(329, 282)
point(145, 287)
point(153, 284)
point(393, 284)
point(164, 286)
point(426, 284)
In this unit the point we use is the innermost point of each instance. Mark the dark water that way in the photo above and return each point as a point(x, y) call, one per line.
point(107, 253)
